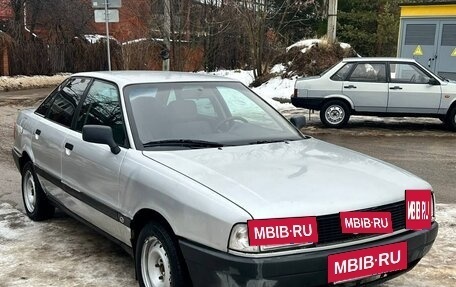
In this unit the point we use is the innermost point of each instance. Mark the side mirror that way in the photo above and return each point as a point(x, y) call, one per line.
point(298, 121)
point(433, 82)
point(100, 135)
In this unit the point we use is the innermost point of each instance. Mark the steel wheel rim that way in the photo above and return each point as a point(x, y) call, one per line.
point(155, 265)
point(29, 191)
point(335, 114)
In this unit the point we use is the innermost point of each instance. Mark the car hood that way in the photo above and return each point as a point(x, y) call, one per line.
point(299, 178)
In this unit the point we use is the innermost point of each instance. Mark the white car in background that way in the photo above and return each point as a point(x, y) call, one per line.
point(377, 87)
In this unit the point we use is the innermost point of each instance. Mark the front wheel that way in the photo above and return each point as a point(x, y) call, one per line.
point(158, 261)
point(451, 119)
point(335, 114)
point(36, 204)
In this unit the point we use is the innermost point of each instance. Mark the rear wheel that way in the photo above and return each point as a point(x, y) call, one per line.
point(335, 114)
point(158, 261)
point(451, 119)
point(36, 204)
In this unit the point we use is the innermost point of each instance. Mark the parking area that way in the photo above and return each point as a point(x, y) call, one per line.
point(63, 252)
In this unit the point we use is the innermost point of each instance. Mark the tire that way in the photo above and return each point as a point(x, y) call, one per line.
point(335, 114)
point(158, 261)
point(36, 203)
point(451, 119)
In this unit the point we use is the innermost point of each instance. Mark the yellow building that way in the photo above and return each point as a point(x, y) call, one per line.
point(428, 34)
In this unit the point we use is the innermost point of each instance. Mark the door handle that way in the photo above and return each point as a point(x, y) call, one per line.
point(396, 88)
point(350, 87)
point(69, 146)
point(38, 132)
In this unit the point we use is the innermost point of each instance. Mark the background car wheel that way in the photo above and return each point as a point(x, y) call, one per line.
point(36, 204)
point(158, 261)
point(451, 119)
point(335, 114)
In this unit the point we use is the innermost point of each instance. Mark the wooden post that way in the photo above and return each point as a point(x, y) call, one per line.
point(332, 21)
point(5, 63)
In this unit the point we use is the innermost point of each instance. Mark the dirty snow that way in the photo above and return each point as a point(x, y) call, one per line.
point(63, 252)
point(60, 252)
point(30, 82)
point(309, 43)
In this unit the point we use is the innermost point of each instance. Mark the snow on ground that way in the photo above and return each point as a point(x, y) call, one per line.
point(62, 252)
point(32, 82)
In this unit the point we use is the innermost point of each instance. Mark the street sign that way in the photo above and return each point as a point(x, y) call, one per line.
point(100, 4)
point(112, 16)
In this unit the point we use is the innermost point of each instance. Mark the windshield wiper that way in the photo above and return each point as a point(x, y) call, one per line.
point(277, 140)
point(183, 143)
point(271, 141)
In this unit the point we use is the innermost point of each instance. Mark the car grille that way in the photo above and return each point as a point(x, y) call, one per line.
point(330, 230)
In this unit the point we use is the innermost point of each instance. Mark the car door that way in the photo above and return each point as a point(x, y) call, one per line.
point(91, 171)
point(367, 87)
point(410, 90)
point(56, 114)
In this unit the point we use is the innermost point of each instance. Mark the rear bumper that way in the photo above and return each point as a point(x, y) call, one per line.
point(209, 267)
point(307, 103)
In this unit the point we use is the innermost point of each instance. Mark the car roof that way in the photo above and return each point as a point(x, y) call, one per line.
point(123, 78)
point(378, 59)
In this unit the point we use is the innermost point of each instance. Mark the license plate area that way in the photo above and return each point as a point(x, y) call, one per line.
point(364, 263)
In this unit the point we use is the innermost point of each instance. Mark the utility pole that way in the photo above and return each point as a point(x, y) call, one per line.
point(167, 32)
point(332, 21)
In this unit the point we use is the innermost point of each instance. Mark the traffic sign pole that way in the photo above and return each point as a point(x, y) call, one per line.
point(108, 46)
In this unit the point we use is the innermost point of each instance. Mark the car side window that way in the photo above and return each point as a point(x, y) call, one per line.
point(369, 72)
point(65, 101)
point(46, 104)
point(408, 73)
point(342, 73)
point(102, 107)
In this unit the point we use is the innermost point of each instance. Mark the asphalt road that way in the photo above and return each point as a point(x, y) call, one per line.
point(433, 159)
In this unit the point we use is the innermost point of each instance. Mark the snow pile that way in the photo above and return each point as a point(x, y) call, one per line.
point(33, 82)
point(309, 43)
point(96, 38)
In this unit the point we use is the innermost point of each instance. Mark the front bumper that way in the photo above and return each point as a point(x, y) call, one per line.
point(208, 267)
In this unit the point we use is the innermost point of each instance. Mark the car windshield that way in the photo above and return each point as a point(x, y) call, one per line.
point(202, 115)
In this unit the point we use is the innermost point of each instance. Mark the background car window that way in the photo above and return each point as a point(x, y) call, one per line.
point(241, 106)
point(102, 107)
point(342, 73)
point(369, 72)
point(407, 73)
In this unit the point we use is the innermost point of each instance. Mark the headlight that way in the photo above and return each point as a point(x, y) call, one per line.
point(239, 240)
